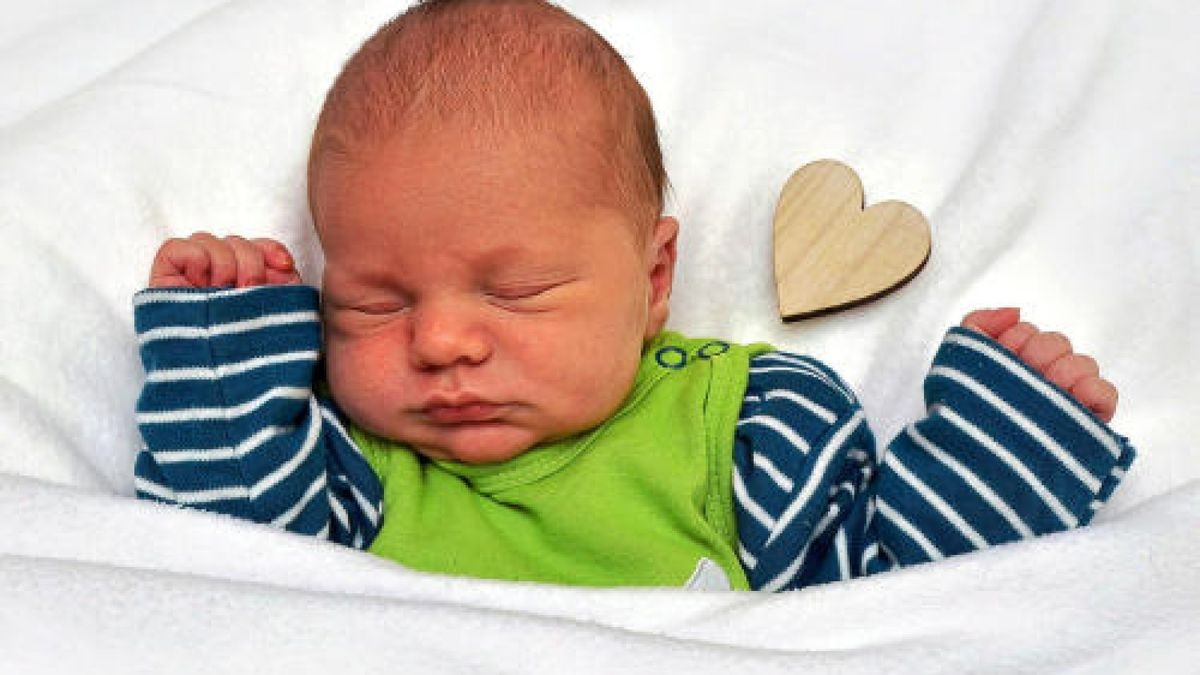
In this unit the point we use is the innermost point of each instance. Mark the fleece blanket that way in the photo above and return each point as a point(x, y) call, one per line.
point(1052, 144)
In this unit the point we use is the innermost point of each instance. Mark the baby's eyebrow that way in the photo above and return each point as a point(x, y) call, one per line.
point(341, 284)
point(531, 273)
point(340, 277)
point(524, 260)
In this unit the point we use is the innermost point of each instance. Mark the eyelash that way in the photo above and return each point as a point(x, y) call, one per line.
point(379, 309)
point(521, 293)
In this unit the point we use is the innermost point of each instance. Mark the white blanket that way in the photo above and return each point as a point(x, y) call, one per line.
point(1053, 146)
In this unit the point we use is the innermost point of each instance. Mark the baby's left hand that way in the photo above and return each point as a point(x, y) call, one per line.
point(1050, 354)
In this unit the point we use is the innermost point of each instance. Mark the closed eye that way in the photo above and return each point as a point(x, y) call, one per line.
point(520, 293)
point(379, 308)
point(517, 293)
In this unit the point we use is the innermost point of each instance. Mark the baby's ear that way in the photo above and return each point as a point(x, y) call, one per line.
point(660, 255)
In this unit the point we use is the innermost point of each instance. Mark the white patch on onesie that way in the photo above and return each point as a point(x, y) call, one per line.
point(708, 577)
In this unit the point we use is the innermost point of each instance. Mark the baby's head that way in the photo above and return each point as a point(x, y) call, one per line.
point(486, 182)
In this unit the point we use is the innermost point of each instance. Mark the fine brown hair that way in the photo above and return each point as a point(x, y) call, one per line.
point(500, 67)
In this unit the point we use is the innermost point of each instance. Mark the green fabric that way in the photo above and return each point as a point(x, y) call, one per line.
point(637, 501)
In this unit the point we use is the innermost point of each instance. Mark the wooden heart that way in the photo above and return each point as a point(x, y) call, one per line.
point(830, 254)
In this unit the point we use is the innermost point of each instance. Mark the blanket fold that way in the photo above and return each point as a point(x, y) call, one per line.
point(1107, 596)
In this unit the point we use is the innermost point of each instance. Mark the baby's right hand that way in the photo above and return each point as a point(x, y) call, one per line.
point(203, 261)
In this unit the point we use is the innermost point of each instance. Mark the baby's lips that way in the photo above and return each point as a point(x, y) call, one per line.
point(476, 412)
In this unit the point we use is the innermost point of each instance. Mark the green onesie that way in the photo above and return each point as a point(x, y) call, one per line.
point(644, 499)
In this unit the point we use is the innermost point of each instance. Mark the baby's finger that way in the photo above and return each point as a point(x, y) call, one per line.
point(1098, 395)
point(223, 269)
point(251, 270)
point(1043, 349)
point(275, 254)
point(992, 322)
point(179, 262)
point(1069, 370)
point(277, 278)
point(1015, 338)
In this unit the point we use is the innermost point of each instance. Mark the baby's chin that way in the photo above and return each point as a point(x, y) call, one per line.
point(486, 441)
point(476, 443)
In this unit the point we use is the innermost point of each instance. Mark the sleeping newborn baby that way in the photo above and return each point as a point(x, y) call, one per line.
point(498, 396)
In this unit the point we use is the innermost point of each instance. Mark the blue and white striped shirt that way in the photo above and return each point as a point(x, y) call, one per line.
point(232, 424)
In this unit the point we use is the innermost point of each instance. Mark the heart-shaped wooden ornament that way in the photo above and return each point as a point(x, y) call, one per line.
point(830, 254)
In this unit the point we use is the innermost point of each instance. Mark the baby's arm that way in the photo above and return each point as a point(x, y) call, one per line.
point(1003, 455)
point(227, 412)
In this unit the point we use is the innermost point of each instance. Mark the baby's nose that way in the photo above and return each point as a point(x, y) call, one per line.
point(444, 335)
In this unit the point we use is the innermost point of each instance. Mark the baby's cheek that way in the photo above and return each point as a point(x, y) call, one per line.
point(599, 382)
point(358, 377)
point(340, 373)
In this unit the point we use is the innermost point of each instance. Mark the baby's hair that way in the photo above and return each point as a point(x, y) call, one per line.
point(500, 67)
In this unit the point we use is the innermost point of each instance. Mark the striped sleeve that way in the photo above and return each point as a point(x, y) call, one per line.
point(229, 419)
point(1003, 455)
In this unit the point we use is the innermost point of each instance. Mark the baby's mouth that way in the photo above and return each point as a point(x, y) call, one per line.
point(473, 412)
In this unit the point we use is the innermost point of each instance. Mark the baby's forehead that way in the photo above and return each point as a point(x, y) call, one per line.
point(488, 219)
point(453, 169)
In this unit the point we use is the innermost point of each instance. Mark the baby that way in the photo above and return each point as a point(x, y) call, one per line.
point(499, 397)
